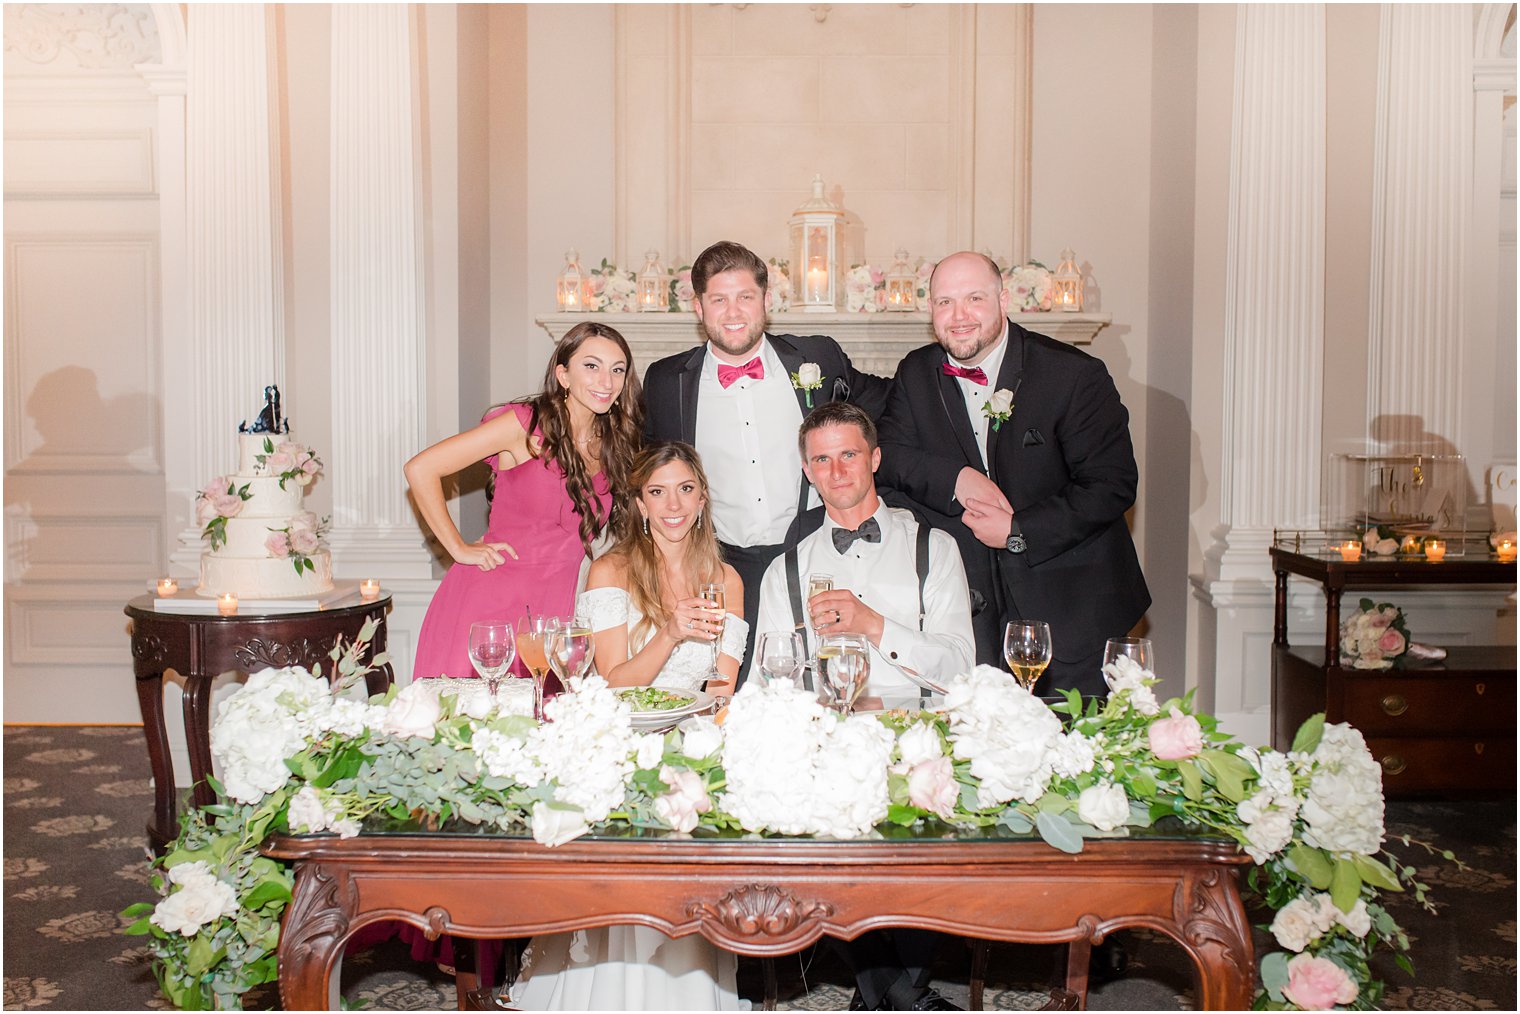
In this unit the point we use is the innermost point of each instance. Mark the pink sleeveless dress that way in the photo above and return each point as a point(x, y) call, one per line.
point(532, 512)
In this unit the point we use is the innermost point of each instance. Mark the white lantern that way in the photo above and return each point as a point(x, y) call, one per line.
point(654, 287)
point(902, 283)
point(570, 290)
point(1066, 284)
point(815, 252)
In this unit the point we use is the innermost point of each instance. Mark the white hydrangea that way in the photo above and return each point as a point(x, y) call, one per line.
point(348, 717)
point(849, 794)
point(918, 744)
point(268, 718)
point(1268, 813)
point(771, 743)
point(1344, 808)
point(1075, 755)
point(1008, 734)
point(506, 757)
point(201, 898)
point(587, 747)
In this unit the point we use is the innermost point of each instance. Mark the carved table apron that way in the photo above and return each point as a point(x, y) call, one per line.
point(200, 647)
point(764, 897)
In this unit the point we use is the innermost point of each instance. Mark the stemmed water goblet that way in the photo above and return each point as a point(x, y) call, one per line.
point(1027, 648)
point(1136, 649)
point(781, 655)
point(844, 668)
point(492, 647)
point(533, 634)
point(571, 649)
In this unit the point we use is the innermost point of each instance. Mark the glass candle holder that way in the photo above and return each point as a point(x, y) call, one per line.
point(227, 604)
point(1350, 550)
point(1435, 550)
point(369, 589)
point(167, 587)
point(1506, 550)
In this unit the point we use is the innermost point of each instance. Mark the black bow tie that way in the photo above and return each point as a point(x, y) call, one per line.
point(844, 538)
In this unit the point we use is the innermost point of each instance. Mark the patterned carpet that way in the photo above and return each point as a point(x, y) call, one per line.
point(77, 799)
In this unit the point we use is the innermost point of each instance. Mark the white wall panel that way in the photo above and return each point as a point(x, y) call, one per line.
point(94, 162)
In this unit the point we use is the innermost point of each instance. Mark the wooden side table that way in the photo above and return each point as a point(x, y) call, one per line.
point(202, 646)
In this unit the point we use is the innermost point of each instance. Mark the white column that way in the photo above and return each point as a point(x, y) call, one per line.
point(1422, 193)
point(1274, 339)
point(232, 328)
point(378, 296)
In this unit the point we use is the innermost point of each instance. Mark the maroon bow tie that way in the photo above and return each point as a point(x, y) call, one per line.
point(728, 374)
point(971, 373)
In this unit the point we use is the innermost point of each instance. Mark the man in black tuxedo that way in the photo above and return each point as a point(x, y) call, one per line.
point(1035, 495)
point(739, 399)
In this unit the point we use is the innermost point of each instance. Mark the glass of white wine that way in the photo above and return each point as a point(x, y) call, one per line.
point(818, 583)
point(844, 666)
point(713, 594)
point(492, 648)
point(1026, 648)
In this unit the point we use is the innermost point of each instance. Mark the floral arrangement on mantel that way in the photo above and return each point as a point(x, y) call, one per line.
point(297, 756)
point(615, 290)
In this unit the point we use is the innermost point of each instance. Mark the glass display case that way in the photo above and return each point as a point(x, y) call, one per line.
point(1410, 494)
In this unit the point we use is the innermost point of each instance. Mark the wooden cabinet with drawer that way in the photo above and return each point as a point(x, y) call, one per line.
point(1438, 729)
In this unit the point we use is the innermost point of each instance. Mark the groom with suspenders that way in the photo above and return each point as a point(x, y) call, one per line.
point(738, 399)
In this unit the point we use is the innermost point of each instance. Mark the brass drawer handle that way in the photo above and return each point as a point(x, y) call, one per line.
point(1393, 764)
point(1394, 704)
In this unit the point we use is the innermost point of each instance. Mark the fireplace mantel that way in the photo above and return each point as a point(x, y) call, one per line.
point(875, 341)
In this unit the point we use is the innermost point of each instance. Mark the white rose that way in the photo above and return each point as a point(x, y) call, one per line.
point(700, 737)
point(919, 744)
point(1358, 921)
point(307, 812)
point(1000, 402)
point(809, 375)
point(201, 899)
point(1297, 924)
point(1104, 806)
point(413, 712)
point(555, 825)
point(651, 749)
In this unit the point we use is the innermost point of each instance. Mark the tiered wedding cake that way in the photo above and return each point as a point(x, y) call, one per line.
point(261, 543)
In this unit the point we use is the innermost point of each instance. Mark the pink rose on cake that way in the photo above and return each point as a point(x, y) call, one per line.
point(304, 541)
point(278, 544)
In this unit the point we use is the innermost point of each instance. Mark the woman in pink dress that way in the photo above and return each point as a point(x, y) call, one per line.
point(555, 459)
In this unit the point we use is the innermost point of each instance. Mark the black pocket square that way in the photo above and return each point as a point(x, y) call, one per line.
point(1032, 438)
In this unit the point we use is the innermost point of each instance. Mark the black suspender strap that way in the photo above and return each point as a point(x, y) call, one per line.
point(921, 564)
point(794, 593)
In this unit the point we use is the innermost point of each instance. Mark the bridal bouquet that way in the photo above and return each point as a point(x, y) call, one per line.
point(1374, 637)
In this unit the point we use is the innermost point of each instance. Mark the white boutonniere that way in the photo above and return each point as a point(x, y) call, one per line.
point(999, 407)
point(808, 379)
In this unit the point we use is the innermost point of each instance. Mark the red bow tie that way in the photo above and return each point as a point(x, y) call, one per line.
point(728, 374)
point(971, 373)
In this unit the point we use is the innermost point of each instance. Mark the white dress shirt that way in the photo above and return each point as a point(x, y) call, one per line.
point(747, 437)
point(977, 395)
point(884, 576)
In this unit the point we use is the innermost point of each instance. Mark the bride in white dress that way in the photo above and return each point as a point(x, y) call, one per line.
point(643, 603)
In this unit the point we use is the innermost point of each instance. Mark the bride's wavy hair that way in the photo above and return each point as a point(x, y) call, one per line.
point(700, 563)
point(620, 429)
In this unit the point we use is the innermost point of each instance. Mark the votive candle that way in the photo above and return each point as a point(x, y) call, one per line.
point(369, 589)
point(1411, 545)
point(1435, 550)
point(226, 604)
point(167, 587)
point(1351, 550)
point(1506, 550)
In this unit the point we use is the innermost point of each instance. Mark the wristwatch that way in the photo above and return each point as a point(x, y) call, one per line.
point(1016, 543)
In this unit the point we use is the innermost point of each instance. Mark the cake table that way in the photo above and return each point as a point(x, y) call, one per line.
point(202, 646)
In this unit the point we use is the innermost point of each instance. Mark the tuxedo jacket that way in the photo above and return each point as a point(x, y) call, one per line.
point(671, 387)
point(1064, 461)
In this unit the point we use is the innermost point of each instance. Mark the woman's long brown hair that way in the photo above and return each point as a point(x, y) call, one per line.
point(700, 563)
point(621, 430)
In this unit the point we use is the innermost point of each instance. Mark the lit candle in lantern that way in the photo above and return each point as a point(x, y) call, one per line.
point(1506, 550)
point(227, 604)
point(817, 281)
point(1351, 550)
point(167, 587)
point(369, 589)
point(1435, 550)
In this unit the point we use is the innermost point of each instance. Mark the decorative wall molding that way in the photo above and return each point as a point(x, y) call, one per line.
point(56, 547)
point(82, 36)
point(79, 163)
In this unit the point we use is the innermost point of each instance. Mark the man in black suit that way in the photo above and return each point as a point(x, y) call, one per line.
point(1034, 492)
point(739, 399)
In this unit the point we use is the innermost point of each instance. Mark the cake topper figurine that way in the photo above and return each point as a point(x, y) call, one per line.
point(270, 419)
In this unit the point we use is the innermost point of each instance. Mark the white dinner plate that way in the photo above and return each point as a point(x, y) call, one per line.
point(664, 719)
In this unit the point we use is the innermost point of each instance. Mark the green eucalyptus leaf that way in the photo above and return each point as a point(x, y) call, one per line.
point(1058, 832)
point(1376, 874)
point(1345, 885)
point(1274, 974)
point(1312, 864)
point(1306, 740)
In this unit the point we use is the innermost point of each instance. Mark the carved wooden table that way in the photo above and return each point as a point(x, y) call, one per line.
point(201, 647)
point(765, 897)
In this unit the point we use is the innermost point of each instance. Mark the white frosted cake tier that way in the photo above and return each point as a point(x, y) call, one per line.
point(251, 445)
point(267, 500)
point(246, 537)
point(264, 578)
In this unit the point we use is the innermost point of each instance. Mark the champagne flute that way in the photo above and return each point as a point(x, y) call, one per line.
point(818, 583)
point(1027, 648)
point(571, 648)
point(844, 665)
point(1137, 649)
point(713, 593)
point(491, 650)
point(781, 655)
point(532, 648)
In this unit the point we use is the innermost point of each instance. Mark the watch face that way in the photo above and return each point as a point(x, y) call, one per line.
point(1016, 544)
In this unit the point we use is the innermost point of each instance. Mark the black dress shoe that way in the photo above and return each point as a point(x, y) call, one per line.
point(930, 999)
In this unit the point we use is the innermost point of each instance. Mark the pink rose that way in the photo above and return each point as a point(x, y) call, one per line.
point(1318, 983)
point(291, 448)
point(1175, 738)
point(310, 466)
point(205, 510)
point(229, 505)
point(304, 519)
point(216, 487)
point(686, 800)
point(932, 787)
point(303, 541)
point(1391, 643)
point(279, 461)
point(278, 543)
point(1377, 621)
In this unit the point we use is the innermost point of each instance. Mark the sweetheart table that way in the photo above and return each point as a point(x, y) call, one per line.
point(767, 896)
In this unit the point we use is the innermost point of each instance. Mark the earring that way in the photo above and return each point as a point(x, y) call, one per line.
point(646, 524)
point(699, 521)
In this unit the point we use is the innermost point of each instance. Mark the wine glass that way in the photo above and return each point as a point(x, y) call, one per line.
point(1137, 649)
point(571, 648)
point(492, 648)
point(819, 583)
point(1026, 648)
point(713, 594)
point(781, 655)
point(532, 647)
point(844, 666)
